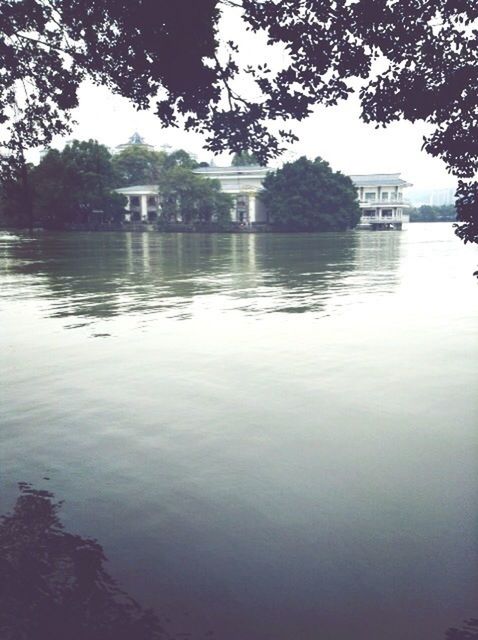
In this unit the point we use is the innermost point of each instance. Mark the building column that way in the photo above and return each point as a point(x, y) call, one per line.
point(252, 208)
point(234, 210)
point(144, 208)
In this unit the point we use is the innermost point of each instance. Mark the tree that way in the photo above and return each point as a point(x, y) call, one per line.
point(67, 186)
point(307, 195)
point(16, 198)
point(75, 185)
point(410, 59)
point(180, 158)
point(192, 198)
point(244, 159)
point(138, 165)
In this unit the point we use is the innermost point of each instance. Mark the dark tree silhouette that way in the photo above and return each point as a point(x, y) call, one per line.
point(53, 584)
point(413, 59)
point(308, 195)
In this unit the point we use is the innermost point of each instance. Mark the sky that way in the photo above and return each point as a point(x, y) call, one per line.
point(335, 133)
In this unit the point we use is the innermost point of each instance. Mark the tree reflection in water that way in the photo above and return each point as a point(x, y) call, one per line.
point(469, 631)
point(53, 584)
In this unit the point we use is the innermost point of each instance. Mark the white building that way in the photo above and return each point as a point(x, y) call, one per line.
point(142, 203)
point(380, 197)
point(381, 200)
point(244, 184)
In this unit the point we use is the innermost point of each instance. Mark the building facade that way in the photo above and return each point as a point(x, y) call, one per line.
point(142, 203)
point(244, 184)
point(381, 197)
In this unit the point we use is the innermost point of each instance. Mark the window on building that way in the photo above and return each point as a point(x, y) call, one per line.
point(134, 201)
point(151, 201)
point(369, 196)
point(385, 196)
point(387, 213)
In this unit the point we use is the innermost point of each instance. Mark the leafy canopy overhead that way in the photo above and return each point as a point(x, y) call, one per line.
point(307, 195)
point(412, 59)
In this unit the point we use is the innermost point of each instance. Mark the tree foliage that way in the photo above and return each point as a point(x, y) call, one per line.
point(412, 59)
point(244, 159)
point(428, 213)
point(74, 184)
point(307, 195)
point(190, 198)
point(66, 187)
point(77, 185)
point(138, 165)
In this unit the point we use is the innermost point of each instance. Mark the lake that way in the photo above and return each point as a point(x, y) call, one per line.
point(273, 437)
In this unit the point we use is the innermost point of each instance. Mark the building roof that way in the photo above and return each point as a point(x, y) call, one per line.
point(135, 141)
point(137, 190)
point(244, 173)
point(379, 179)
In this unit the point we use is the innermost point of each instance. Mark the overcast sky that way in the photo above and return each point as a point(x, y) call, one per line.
point(335, 133)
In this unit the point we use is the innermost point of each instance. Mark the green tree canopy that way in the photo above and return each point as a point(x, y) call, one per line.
point(192, 198)
point(78, 183)
point(244, 159)
point(73, 184)
point(180, 158)
point(307, 195)
point(138, 165)
point(67, 186)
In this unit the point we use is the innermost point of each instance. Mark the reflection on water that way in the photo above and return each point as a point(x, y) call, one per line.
point(104, 275)
point(271, 436)
point(469, 631)
point(53, 584)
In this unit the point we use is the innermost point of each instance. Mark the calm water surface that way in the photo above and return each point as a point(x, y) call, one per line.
point(273, 437)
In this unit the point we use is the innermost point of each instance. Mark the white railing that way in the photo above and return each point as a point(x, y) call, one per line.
point(382, 203)
point(397, 217)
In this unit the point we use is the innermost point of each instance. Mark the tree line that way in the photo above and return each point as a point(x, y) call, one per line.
point(432, 213)
point(77, 186)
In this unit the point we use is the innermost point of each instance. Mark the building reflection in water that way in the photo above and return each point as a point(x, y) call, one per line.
point(99, 276)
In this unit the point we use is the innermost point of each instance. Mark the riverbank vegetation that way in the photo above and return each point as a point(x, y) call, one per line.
point(76, 186)
point(307, 195)
point(429, 213)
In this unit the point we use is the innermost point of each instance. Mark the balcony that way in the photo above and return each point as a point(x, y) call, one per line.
point(383, 219)
point(386, 204)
